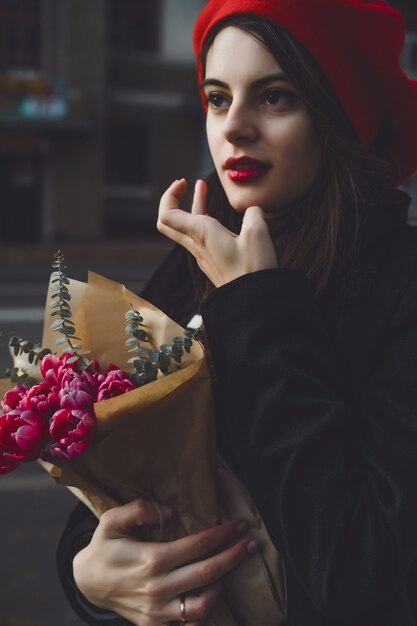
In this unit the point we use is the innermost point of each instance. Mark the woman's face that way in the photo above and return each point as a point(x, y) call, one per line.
point(260, 134)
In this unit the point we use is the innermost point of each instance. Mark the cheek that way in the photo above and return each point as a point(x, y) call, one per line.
point(297, 148)
point(212, 139)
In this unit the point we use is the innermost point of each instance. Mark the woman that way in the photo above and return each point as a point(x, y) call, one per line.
point(305, 271)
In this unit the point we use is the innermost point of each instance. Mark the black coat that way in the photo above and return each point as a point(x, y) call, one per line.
point(317, 411)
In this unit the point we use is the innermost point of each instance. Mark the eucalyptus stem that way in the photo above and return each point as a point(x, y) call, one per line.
point(147, 362)
point(60, 303)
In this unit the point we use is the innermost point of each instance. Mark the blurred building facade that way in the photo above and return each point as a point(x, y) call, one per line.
point(123, 118)
point(132, 123)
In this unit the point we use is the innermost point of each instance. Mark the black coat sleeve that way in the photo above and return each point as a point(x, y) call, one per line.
point(331, 469)
point(171, 290)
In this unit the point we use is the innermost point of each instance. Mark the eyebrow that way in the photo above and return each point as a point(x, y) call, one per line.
point(257, 83)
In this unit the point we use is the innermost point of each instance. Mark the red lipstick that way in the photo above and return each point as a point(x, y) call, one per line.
point(245, 169)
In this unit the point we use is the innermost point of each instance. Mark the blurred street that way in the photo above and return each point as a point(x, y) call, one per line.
point(33, 509)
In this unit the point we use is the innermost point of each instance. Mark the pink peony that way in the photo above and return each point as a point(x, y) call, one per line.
point(116, 383)
point(41, 398)
point(73, 432)
point(23, 435)
point(13, 398)
point(78, 390)
point(53, 368)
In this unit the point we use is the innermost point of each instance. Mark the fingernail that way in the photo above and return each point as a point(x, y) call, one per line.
point(253, 546)
point(242, 527)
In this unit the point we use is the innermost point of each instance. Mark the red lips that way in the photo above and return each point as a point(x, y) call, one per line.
point(245, 169)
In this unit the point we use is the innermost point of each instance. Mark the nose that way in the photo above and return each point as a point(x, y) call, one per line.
point(240, 124)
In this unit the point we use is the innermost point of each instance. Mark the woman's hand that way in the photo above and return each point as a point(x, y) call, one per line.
point(221, 254)
point(144, 582)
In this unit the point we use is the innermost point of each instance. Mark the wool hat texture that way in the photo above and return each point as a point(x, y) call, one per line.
point(358, 46)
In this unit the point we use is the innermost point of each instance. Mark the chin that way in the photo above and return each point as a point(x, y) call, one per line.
point(240, 202)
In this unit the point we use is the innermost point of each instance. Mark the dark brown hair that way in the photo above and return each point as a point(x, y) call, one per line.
point(322, 231)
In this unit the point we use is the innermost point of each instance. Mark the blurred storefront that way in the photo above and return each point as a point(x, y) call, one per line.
point(98, 113)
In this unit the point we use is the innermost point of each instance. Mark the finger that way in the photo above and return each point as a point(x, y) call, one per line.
point(211, 570)
point(172, 196)
point(254, 217)
point(197, 605)
point(170, 200)
point(172, 221)
point(201, 545)
point(183, 240)
point(118, 522)
point(200, 198)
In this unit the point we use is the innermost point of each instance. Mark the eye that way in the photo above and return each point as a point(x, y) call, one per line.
point(279, 98)
point(216, 100)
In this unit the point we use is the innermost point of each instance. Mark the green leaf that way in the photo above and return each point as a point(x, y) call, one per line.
point(141, 335)
point(134, 359)
point(73, 359)
point(44, 352)
point(163, 362)
point(139, 366)
point(69, 323)
point(131, 341)
point(59, 303)
point(178, 340)
point(67, 331)
point(188, 345)
point(137, 379)
point(57, 324)
point(60, 341)
point(65, 296)
point(66, 313)
point(129, 315)
point(150, 370)
point(153, 355)
point(166, 348)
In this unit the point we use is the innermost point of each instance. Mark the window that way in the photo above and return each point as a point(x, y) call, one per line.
point(132, 25)
point(20, 33)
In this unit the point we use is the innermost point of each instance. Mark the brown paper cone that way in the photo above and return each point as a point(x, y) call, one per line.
point(158, 442)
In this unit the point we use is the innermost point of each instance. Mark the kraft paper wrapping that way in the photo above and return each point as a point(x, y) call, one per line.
point(158, 442)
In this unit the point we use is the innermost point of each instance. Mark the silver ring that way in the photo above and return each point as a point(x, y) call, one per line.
point(182, 609)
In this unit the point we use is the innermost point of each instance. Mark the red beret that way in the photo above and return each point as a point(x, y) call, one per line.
point(358, 46)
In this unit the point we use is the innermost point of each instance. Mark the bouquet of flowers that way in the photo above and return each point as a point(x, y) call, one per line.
point(124, 409)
